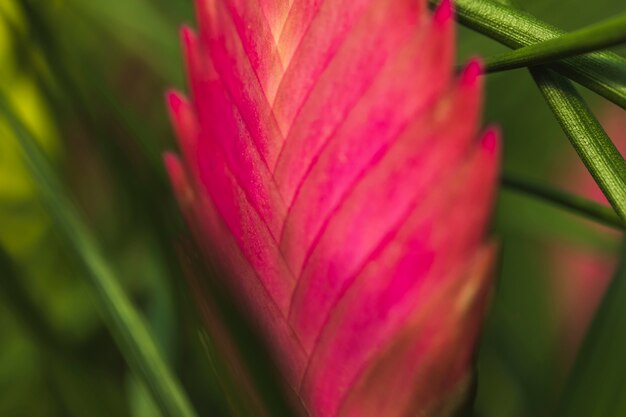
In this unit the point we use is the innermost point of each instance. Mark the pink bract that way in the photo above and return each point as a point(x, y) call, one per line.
point(332, 162)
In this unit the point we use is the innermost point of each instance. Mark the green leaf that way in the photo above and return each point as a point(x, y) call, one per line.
point(594, 147)
point(595, 37)
point(596, 385)
point(126, 325)
point(602, 72)
point(579, 205)
point(32, 318)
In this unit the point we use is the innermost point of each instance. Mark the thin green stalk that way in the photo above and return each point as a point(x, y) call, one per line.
point(126, 325)
point(579, 205)
point(601, 35)
point(601, 358)
point(602, 72)
point(598, 153)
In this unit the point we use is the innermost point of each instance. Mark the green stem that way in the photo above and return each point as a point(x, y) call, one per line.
point(579, 205)
point(594, 147)
point(130, 332)
point(602, 72)
point(598, 36)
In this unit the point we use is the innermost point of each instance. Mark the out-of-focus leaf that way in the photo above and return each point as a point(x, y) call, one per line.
point(598, 153)
point(137, 25)
point(34, 321)
point(602, 72)
point(579, 205)
point(126, 325)
point(80, 388)
point(240, 361)
point(597, 382)
point(599, 36)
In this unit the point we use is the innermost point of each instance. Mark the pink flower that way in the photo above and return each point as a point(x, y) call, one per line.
point(331, 164)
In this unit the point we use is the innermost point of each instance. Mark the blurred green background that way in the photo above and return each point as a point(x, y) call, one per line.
point(88, 77)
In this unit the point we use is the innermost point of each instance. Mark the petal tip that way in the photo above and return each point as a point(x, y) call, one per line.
point(444, 12)
point(472, 70)
point(175, 100)
point(490, 141)
point(171, 161)
point(187, 35)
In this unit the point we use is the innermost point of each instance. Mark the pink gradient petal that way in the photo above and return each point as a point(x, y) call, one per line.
point(330, 168)
point(227, 136)
point(426, 364)
point(219, 243)
point(398, 280)
point(241, 81)
point(372, 127)
point(402, 175)
point(364, 54)
point(275, 12)
point(331, 23)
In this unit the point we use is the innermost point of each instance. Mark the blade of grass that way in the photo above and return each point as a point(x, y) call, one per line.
point(601, 35)
point(602, 72)
point(579, 205)
point(598, 153)
point(75, 381)
point(590, 141)
point(124, 322)
point(601, 358)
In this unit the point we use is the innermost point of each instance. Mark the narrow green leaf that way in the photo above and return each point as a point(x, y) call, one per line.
point(79, 385)
point(597, 382)
point(126, 325)
point(602, 72)
point(595, 37)
point(576, 204)
point(598, 153)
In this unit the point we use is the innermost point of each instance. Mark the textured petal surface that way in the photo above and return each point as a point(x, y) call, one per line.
point(330, 163)
point(403, 175)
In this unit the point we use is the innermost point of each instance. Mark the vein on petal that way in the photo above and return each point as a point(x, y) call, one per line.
point(376, 154)
point(465, 241)
point(449, 150)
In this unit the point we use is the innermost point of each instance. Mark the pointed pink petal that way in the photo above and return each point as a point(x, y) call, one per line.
point(253, 296)
point(369, 130)
point(242, 22)
point(331, 21)
point(236, 69)
point(247, 228)
point(222, 123)
point(369, 48)
point(399, 280)
point(427, 363)
point(404, 175)
point(240, 195)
